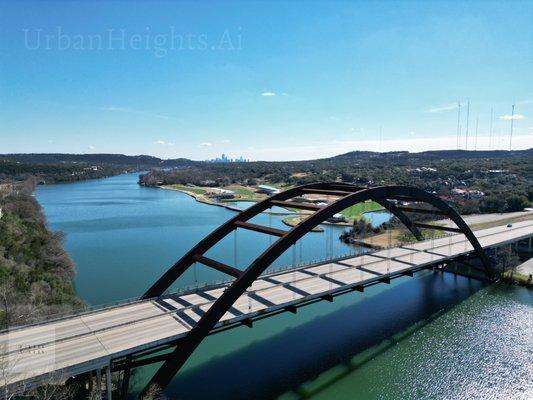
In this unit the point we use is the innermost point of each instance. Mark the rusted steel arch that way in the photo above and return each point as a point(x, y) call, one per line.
point(177, 269)
point(209, 320)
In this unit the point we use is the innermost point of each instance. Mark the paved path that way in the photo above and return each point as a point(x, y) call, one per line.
point(88, 341)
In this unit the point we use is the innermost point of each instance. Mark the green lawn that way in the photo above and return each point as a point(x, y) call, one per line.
point(357, 210)
point(187, 189)
point(241, 191)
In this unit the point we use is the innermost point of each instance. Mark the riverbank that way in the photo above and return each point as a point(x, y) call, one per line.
point(522, 275)
point(293, 221)
point(398, 236)
point(36, 272)
point(201, 196)
point(248, 194)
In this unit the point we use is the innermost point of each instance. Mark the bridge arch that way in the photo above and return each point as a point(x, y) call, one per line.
point(348, 195)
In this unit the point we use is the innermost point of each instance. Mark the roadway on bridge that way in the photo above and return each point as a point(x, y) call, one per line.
point(88, 341)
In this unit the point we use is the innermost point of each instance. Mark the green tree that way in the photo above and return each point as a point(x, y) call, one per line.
point(516, 203)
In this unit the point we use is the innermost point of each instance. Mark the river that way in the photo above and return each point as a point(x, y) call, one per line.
point(434, 336)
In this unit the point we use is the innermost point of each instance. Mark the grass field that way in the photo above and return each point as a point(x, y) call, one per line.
point(355, 211)
point(186, 189)
point(241, 191)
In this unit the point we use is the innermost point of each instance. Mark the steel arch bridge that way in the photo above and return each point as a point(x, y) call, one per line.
point(346, 195)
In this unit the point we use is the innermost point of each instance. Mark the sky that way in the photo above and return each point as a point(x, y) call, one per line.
point(279, 80)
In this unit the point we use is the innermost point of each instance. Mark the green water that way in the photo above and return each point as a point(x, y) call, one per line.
point(481, 349)
point(433, 336)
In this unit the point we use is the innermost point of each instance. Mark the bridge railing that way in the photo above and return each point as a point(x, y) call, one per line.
point(188, 289)
point(181, 310)
point(180, 291)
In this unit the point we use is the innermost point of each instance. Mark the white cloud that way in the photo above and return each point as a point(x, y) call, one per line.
point(268, 94)
point(225, 141)
point(509, 117)
point(206, 144)
point(446, 107)
point(163, 143)
point(90, 147)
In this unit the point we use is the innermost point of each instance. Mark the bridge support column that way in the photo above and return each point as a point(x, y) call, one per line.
point(99, 384)
point(125, 380)
point(108, 384)
point(91, 382)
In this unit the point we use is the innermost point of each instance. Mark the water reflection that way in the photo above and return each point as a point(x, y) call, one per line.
point(324, 337)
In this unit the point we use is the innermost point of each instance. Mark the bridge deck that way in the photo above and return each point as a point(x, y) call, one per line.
point(84, 342)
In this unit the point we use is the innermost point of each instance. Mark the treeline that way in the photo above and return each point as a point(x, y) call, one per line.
point(504, 178)
point(51, 167)
point(52, 173)
point(36, 274)
point(138, 162)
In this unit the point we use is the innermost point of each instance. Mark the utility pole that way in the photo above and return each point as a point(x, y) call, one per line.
point(458, 125)
point(467, 119)
point(512, 121)
point(490, 130)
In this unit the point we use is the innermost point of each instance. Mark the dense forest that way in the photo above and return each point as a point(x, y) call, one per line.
point(483, 181)
point(35, 271)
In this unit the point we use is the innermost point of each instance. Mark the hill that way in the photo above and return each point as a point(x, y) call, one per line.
point(139, 161)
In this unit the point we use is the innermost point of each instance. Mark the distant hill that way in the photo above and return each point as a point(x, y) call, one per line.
point(140, 161)
point(437, 154)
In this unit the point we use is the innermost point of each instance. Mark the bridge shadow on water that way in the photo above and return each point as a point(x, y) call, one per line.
point(283, 362)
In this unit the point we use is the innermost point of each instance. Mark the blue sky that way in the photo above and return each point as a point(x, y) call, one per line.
point(266, 80)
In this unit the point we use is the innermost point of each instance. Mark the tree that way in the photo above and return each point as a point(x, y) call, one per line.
point(154, 392)
point(506, 259)
point(516, 203)
point(492, 203)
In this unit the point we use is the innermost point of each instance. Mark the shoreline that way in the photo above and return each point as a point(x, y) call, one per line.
point(227, 204)
point(289, 220)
